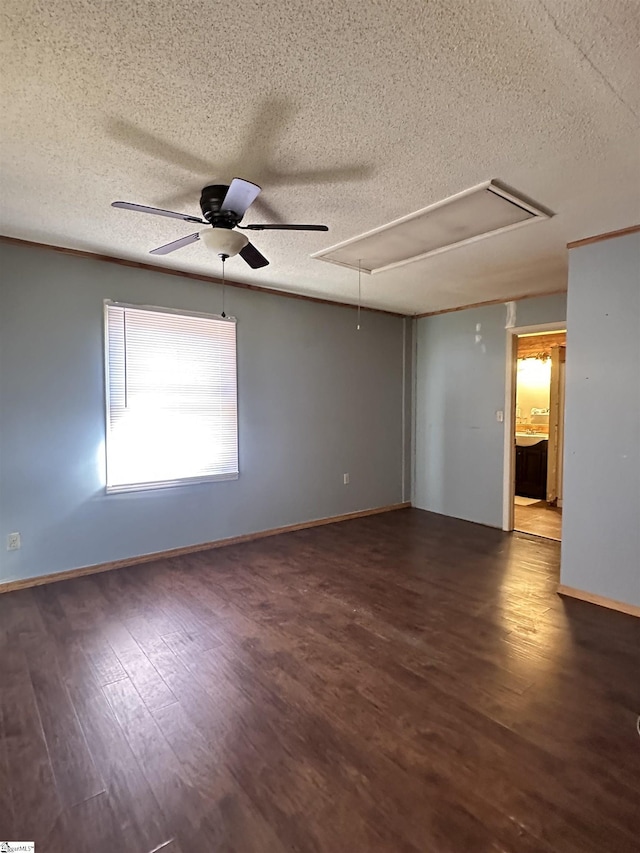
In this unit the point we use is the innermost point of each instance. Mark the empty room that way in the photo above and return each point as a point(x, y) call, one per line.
point(320, 427)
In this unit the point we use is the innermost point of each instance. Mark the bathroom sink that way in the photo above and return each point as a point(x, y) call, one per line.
point(526, 439)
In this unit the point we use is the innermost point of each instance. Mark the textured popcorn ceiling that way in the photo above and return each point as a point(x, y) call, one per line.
point(347, 113)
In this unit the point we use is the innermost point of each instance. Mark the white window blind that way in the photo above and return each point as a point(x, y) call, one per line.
point(171, 398)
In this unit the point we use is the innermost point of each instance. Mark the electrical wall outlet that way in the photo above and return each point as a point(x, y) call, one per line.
point(13, 542)
point(345, 479)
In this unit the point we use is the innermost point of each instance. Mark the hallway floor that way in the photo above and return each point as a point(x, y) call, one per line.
point(540, 519)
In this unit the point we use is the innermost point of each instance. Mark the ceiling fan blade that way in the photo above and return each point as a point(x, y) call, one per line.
point(284, 227)
point(177, 244)
point(142, 208)
point(240, 195)
point(253, 257)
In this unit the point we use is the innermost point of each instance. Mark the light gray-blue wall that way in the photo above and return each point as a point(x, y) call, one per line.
point(601, 515)
point(316, 400)
point(460, 384)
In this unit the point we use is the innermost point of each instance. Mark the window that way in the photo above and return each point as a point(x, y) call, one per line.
point(171, 398)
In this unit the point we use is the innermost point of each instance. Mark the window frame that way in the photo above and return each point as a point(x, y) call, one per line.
point(158, 484)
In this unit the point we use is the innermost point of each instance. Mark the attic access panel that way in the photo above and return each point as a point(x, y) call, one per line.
point(463, 218)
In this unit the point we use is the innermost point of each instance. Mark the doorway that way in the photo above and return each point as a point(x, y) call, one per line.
point(534, 430)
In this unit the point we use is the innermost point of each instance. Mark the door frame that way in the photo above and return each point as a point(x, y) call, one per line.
point(556, 424)
point(508, 478)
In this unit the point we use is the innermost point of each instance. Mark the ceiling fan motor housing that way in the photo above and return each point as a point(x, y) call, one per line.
point(211, 201)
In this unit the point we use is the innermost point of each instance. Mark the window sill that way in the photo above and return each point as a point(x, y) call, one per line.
point(168, 484)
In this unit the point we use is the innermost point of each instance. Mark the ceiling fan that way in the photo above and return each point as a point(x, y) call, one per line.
point(223, 207)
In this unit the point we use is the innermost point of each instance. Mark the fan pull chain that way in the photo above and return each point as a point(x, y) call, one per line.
point(223, 258)
point(359, 292)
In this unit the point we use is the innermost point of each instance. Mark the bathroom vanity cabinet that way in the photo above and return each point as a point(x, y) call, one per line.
point(531, 469)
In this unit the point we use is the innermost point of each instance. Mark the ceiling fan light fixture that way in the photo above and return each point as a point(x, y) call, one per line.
point(222, 207)
point(223, 241)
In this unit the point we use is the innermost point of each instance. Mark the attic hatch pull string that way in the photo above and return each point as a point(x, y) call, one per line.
point(359, 291)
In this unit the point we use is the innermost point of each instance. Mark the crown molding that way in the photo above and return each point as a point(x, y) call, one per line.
point(489, 302)
point(609, 235)
point(210, 279)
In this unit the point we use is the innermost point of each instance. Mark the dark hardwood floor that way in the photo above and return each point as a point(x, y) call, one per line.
point(401, 683)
